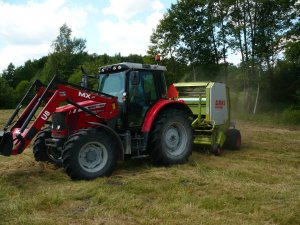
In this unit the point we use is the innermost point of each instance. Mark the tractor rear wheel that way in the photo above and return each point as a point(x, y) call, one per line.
point(89, 154)
point(171, 138)
point(233, 139)
point(44, 153)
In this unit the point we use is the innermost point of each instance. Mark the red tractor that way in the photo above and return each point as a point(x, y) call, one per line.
point(129, 115)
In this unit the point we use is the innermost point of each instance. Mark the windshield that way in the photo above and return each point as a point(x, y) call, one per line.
point(113, 84)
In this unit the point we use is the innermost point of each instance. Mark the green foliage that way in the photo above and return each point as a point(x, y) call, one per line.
point(75, 78)
point(291, 116)
point(176, 71)
point(9, 75)
point(67, 55)
point(286, 82)
point(292, 52)
point(22, 88)
point(7, 95)
point(30, 70)
point(187, 33)
point(201, 33)
point(64, 43)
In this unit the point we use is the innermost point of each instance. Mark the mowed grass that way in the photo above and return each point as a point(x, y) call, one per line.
point(260, 184)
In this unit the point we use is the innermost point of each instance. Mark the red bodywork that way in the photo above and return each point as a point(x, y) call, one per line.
point(152, 112)
point(77, 119)
point(55, 98)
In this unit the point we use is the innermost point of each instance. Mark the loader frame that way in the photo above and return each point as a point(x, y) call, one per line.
point(16, 136)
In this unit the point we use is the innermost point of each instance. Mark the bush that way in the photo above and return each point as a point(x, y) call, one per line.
point(7, 95)
point(291, 116)
point(22, 88)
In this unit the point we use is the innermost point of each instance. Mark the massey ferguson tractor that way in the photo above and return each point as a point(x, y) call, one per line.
point(131, 114)
point(87, 131)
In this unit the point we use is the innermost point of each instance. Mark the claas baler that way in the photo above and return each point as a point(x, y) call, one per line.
point(212, 125)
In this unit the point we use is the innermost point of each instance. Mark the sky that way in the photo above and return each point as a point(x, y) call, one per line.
point(28, 27)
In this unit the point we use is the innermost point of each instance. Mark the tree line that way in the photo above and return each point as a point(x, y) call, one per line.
point(196, 39)
point(264, 34)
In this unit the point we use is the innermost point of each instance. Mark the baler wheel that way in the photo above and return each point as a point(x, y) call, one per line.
point(216, 149)
point(233, 139)
point(171, 138)
point(88, 154)
point(43, 153)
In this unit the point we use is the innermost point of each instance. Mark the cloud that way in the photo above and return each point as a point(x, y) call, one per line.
point(129, 34)
point(126, 9)
point(26, 29)
point(157, 5)
point(18, 54)
point(123, 37)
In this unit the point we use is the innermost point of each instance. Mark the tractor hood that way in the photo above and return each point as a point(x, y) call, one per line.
point(90, 105)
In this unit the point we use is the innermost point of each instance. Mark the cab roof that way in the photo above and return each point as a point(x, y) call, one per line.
point(127, 65)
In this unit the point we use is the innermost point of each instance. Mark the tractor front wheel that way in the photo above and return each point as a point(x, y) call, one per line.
point(171, 138)
point(44, 153)
point(89, 154)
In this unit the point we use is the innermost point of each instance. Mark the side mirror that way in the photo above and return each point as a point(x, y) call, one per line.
point(84, 79)
point(134, 77)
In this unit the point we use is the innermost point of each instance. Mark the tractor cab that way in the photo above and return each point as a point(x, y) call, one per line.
point(137, 87)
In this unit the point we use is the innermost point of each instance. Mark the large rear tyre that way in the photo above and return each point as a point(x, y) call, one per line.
point(171, 138)
point(89, 154)
point(233, 139)
point(44, 153)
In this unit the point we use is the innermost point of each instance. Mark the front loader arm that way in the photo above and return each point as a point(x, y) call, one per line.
point(16, 138)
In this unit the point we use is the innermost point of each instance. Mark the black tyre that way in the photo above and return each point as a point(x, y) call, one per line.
point(44, 153)
point(216, 149)
point(171, 138)
point(233, 139)
point(89, 154)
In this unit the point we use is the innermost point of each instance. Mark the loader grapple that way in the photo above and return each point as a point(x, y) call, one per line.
point(6, 143)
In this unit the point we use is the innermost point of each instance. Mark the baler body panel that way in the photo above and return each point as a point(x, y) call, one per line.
point(209, 102)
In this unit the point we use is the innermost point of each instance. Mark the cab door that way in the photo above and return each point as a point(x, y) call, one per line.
point(142, 94)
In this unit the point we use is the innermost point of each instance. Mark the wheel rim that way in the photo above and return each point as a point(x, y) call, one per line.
point(175, 139)
point(93, 156)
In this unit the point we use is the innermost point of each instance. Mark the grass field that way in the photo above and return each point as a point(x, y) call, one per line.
point(260, 184)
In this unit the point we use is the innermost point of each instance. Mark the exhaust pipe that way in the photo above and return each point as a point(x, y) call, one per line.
point(6, 143)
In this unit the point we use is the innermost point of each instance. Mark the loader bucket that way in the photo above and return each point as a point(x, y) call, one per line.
point(6, 143)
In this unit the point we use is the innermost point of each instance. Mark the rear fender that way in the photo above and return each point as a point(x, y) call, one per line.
point(162, 104)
